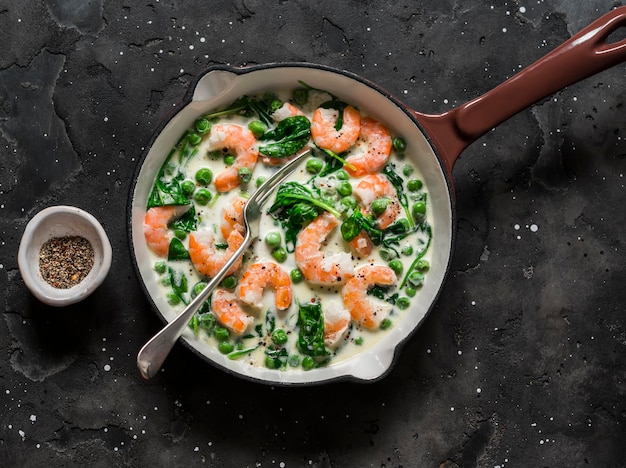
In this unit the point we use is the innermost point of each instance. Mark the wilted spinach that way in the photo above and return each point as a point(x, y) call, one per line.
point(290, 136)
point(311, 329)
point(296, 205)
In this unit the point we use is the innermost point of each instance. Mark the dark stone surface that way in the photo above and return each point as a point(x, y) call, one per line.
point(521, 362)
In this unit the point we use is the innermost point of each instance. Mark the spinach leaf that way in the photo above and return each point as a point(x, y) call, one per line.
point(187, 221)
point(296, 205)
point(178, 282)
point(177, 250)
point(246, 106)
point(290, 135)
point(166, 190)
point(311, 329)
point(237, 353)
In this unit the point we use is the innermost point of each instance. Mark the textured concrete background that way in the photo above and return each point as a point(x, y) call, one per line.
point(520, 364)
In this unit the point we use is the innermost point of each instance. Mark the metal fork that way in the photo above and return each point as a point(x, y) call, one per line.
point(154, 352)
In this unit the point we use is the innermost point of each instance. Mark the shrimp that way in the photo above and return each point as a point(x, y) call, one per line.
point(369, 188)
point(208, 260)
point(374, 186)
point(229, 312)
point(316, 266)
point(286, 110)
point(240, 140)
point(336, 323)
point(326, 136)
point(365, 309)
point(155, 230)
point(378, 140)
point(260, 275)
point(233, 217)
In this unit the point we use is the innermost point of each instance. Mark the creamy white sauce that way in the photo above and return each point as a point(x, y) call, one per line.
point(210, 216)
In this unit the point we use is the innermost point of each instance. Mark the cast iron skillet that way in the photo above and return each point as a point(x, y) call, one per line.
point(434, 144)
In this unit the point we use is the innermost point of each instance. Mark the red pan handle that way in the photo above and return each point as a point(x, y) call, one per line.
point(583, 55)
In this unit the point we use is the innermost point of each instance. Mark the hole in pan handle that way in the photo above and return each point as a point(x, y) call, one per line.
point(583, 55)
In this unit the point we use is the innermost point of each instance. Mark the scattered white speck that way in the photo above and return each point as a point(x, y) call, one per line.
point(33, 418)
point(452, 408)
point(503, 30)
point(517, 227)
point(522, 9)
point(196, 449)
point(107, 367)
point(534, 228)
point(478, 390)
point(106, 119)
point(22, 434)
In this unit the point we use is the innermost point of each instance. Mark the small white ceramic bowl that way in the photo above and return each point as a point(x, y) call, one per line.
point(62, 221)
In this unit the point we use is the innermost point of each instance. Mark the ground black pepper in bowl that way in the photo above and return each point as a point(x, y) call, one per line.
point(65, 261)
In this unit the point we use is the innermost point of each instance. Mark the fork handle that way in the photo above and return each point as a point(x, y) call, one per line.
point(151, 357)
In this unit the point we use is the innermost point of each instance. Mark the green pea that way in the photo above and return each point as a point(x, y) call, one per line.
point(403, 302)
point(187, 186)
point(308, 363)
point(396, 265)
point(358, 341)
point(275, 105)
point(400, 226)
point(407, 250)
point(279, 337)
point(270, 363)
point(257, 128)
point(422, 264)
point(172, 298)
point(244, 174)
point(387, 254)
point(229, 282)
point(279, 254)
point(203, 126)
point(194, 139)
point(259, 181)
point(197, 288)
point(349, 202)
point(380, 205)
point(314, 165)
point(204, 176)
point(229, 159)
point(342, 174)
point(160, 267)
point(180, 234)
point(344, 188)
point(293, 360)
point(202, 196)
point(225, 347)
point(273, 239)
point(399, 144)
point(386, 323)
point(419, 210)
point(410, 291)
point(296, 275)
point(301, 96)
point(221, 333)
point(407, 170)
point(416, 278)
point(166, 281)
point(207, 322)
point(350, 228)
point(414, 185)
